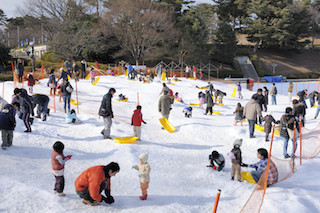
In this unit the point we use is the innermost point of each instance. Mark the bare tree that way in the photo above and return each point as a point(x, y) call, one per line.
point(141, 26)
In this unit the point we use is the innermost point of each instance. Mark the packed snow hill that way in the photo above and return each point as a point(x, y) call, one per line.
point(179, 179)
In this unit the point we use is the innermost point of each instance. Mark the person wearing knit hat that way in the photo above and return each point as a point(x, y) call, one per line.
point(236, 159)
point(144, 169)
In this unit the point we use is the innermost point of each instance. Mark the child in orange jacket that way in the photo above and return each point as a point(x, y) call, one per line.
point(136, 122)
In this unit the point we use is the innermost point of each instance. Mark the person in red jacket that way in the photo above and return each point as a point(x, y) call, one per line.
point(31, 82)
point(136, 122)
point(58, 160)
point(93, 181)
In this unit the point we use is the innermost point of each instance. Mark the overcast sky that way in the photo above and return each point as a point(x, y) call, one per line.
point(10, 7)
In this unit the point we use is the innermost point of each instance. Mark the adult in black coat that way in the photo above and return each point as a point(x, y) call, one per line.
point(41, 101)
point(260, 101)
point(20, 70)
point(106, 112)
point(26, 108)
point(66, 93)
point(299, 111)
point(287, 131)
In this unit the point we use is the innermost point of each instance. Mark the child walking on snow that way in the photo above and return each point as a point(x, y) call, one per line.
point(239, 114)
point(58, 160)
point(31, 82)
point(236, 159)
point(144, 169)
point(268, 119)
point(136, 122)
point(92, 75)
point(217, 158)
point(201, 97)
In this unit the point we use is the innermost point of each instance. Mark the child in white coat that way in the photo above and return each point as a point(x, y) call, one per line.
point(144, 169)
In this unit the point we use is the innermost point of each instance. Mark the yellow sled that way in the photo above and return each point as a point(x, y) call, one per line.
point(96, 81)
point(191, 78)
point(171, 83)
point(194, 104)
point(202, 87)
point(314, 106)
point(247, 176)
point(129, 139)
point(234, 92)
point(216, 112)
point(124, 100)
point(219, 104)
point(167, 125)
point(73, 102)
point(163, 76)
point(87, 77)
point(261, 128)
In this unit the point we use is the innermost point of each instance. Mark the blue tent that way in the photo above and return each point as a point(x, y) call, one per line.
point(272, 79)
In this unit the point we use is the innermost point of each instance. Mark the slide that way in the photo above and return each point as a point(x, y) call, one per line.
point(96, 81)
point(167, 125)
point(73, 102)
point(234, 92)
point(163, 76)
point(129, 139)
point(247, 176)
point(87, 77)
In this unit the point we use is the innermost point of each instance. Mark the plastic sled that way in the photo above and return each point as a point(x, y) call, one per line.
point(131, 79)
point(96, 81)
point(129, 139)
point(219, 104)
point(314, 106)
point(87, 77)
point(68, 77)
point(37, 82)
point(202, 87)
point(234, 92)
point(163, 76)
point(124, 100)
point(194, 104)
point(191, 78)
point(259, 128)
point(216, 112)
point(247, 176)
point(171, 83)
point(167, 125)
point(73, 102)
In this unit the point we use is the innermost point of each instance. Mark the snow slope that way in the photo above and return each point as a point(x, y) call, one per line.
point(180, 180)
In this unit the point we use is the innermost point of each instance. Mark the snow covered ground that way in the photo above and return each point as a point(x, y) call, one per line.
point(180, 180)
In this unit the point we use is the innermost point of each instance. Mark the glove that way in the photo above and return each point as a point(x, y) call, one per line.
point(144, 122)
point(214, 168)
point(131, 123)
point(108, 199)
point(69, 157)
point(111, 115)
point(32, 113)
point(244, 165)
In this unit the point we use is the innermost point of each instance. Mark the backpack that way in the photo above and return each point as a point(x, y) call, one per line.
point(69, 88)
point(275, 91)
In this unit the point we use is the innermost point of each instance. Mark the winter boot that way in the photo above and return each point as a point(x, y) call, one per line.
point(232, 178)
point(89, 202)
point(143, 197)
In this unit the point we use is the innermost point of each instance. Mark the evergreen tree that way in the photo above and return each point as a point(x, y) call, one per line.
point(225, 44)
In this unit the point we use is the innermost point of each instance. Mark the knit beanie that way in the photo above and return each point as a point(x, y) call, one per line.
point(144, 157)
point(237, 142)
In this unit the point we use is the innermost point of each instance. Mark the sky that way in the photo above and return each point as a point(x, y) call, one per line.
point(10, 7)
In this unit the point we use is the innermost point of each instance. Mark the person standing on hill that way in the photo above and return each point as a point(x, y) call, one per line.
point(164, 105)
point(75, 69)
point(318, 108)
point(239, 88)
point(260, 100)
point(251, 110)
point(84, 68)
point(273, 93)
point(265, 94)
point(302, 96)
point(209, 101)
point(188, 69)
point(7, 125)
point(20, 70)
point(52, 83)
point(106, 112)
point(66, 90)
point(290, 89)
point(194, 70)
point(312, 98)
point(136, 121)
point(159, 72)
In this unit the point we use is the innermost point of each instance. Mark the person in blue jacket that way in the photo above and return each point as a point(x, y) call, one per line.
point(72, 117)
point(7, 125)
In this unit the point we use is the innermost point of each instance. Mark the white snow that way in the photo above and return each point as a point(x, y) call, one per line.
point(180, 180)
